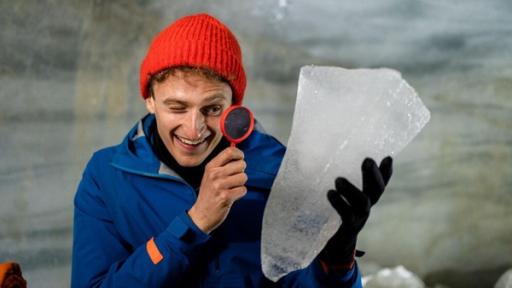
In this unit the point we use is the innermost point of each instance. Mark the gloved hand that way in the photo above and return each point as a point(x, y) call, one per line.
point(353, 206)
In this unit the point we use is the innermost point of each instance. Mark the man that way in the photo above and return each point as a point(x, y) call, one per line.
point(173, 205)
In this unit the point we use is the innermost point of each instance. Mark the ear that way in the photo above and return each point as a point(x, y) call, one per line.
point(150, 104)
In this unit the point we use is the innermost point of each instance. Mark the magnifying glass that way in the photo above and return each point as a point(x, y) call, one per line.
point(236, 124)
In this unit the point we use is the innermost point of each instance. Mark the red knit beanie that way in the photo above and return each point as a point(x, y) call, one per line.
point(199, 41)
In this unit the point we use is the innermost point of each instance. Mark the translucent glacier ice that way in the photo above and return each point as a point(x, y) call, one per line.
point(341, 116)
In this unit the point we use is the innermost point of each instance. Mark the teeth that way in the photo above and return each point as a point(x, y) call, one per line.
point(189, 142)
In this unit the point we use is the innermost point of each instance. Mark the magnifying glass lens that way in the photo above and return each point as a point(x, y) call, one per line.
point(238, 122)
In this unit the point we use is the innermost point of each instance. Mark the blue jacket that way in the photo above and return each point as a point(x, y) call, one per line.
point(127, 199)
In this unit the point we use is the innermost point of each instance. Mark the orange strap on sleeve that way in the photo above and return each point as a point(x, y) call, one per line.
point(153, 251)
point(333, 268)
point(340, 267)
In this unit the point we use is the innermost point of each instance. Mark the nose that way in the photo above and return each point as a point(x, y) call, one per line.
point(194, 125)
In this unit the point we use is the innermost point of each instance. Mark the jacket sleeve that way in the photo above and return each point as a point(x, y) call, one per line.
point(315, 276)
point(102, 259)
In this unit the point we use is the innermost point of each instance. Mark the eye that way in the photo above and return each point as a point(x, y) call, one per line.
point(177, 109)
point(213, 110)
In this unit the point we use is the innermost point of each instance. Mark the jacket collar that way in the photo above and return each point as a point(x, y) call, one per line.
point(263, 155)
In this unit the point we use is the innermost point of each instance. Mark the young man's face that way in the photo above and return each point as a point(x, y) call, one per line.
point(187, 108)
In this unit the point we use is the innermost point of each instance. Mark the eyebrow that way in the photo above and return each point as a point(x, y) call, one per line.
point(170, 101)
point(215, 97)
point(208, 99)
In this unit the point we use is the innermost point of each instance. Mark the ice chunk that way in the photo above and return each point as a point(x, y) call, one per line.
point(341, 116)
point(505, 281)
point(398, 277)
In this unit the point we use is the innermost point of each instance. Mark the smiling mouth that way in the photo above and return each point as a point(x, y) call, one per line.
point(189, 142)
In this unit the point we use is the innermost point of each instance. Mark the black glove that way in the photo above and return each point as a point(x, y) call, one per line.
point(353, 206)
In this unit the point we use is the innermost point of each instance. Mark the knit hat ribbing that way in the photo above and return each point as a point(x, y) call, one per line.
point(199, 41)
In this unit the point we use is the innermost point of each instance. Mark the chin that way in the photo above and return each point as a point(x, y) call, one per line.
point(190, 162)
